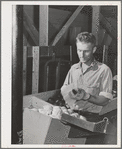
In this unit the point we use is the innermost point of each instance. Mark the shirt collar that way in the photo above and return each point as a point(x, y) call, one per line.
point(92, 64)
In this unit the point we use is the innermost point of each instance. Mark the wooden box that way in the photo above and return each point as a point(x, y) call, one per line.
point(41, 129)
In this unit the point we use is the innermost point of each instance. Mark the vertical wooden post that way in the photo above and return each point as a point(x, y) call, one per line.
point(46, 79)
point(57, 75)
point(43, 25)
point(105, 36)
point(103, 60)
point(35, 71)
point(43, 30)
point(24, 69)
point(17, 70)
point(95, 21)
point(101, 35)
point(71, 54)
point(105, 54)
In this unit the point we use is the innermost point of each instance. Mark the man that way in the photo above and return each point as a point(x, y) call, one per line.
point(88, 83)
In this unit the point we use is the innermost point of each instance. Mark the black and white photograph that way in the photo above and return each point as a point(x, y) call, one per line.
point(60, 74)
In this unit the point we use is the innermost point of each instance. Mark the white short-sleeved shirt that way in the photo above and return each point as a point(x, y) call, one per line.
point(96, 79)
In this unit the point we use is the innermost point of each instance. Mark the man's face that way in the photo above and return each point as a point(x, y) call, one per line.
point(85, 51)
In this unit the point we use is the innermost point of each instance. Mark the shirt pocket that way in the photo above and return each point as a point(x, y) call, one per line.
point(93, 89)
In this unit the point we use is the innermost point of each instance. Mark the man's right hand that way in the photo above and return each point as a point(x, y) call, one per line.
point(77, 94)
point(73, 94)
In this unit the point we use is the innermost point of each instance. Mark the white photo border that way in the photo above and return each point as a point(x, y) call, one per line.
point(6, 72)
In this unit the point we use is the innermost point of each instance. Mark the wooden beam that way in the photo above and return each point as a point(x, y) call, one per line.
point(105, 35)
point(24, 69)
point(17, 71)
point(43, 25)
point(105, 55)
point(35, 71)
point(57, 75)
point(106, 40)
point(46, 51)
point(67, 24)
point(105, 43)
point(107, 25)
point(101, 35)
point(95, 21)
point(29, 26)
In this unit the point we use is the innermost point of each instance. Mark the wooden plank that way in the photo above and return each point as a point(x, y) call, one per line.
point(27, 101)
point(109, 107)
point(106, 39)
point(106, 42)
point(68, 23)
point(78, 122)
point(105, 54)
point(108, 26)
point(38, 100)
point(29, 52)
point(57, 75)
point(45, 95)
point(46, 51)
point(95, 21)
point(101, 35)
point(47, 79)
point(24, 69)
point(43, 25)
point(25, 42)
point(71, 54)
point(105, 48)
point(35, 71)
point(98, 127)
point(35, 127)
point(17, 71)
point(29, 26)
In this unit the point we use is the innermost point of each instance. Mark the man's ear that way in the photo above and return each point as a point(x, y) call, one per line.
point(94, 49)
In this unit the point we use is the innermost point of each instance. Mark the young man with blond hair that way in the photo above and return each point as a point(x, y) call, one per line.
point(89, 82)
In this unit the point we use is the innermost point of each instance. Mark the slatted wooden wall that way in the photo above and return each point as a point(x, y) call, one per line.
point(33, 69)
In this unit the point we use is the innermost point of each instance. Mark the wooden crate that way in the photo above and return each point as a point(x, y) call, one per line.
point(41, 129)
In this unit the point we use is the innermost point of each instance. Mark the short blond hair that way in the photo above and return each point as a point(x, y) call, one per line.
point(86, 37)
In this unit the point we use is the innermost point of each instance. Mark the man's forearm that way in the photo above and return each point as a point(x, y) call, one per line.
point(65, 89)
point(98, 100)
